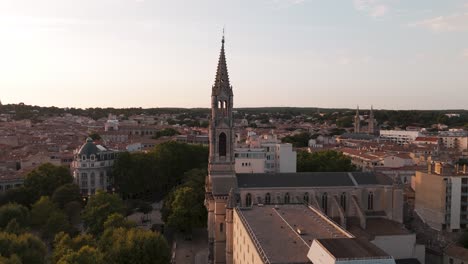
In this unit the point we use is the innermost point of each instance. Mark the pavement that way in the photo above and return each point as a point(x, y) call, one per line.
point(193, 251)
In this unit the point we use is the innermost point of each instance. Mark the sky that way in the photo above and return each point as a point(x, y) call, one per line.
point(392, 54)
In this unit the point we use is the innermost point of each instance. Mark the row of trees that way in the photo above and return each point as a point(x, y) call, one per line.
point(156, 173)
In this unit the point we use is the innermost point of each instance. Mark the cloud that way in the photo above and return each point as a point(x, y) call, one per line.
point(374, 8)
point(450, 23)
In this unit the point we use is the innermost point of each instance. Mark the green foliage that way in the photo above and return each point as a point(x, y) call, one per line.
point(12, 211)
point(65, 194)
point(116, 221)
point(48, 218)
point(41, 210)
point(187, 211)
point(299, 140)
point(13, 259)
point(166, 132)
point(158, 171)
point(145, 208)
point(43, 180)
point(324, 161)
point(14, 227)
point(20, 195)
point(122, 246)
point(99, 208)
point(184, 208)
point(86, 255)
point(73, 210)
point(25, 247)
point(65, 246)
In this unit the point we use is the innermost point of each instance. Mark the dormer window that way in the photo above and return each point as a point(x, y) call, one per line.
point(83, 157)
point(93, 157)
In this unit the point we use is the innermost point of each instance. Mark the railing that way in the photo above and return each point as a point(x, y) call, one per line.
point(253, 237)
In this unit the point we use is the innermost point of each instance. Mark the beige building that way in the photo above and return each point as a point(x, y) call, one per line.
point(91, 167)
point(442, 196)
point(296, 234)
point(340, 196)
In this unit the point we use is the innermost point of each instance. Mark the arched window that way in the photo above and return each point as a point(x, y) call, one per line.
point(343, 201)
point(222, 145)
point(325, 203)
point(220, 104)
point(306, 197)
point(248, 200)
point(370, 201)
point(287, 198)
point(267, 198)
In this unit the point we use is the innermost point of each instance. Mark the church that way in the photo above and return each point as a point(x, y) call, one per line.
point(338, 199)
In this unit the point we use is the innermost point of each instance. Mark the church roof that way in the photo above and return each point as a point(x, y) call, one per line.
point(222, 76)
point(310, 179)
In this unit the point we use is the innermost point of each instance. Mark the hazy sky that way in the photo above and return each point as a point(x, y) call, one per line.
point(394, 54)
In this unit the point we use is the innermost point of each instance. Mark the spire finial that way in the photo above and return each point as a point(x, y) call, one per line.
point(223, 35)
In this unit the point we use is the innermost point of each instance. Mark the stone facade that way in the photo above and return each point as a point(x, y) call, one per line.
point(342, 196)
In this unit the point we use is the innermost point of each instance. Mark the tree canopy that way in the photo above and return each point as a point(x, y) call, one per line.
point(99, 207)
point(329, 160)
point(43, 180)
point(157, 172)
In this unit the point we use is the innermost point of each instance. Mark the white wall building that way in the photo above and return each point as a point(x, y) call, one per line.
point(401, 137)
point(92, 166)
point(265, 154)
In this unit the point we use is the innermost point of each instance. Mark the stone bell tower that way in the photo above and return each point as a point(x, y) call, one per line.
point(221, 173)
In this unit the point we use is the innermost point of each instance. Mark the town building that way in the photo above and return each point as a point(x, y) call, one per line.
point(264, 154)
point(442, 196)
point(92, 166)
point(455, 254)
point(401, 137)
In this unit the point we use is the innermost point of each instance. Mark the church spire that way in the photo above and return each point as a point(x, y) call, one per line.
point(222, 77)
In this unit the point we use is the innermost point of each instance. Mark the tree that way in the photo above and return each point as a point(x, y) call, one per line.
point(116, 221)
point(27, 247)
point(323, 161)
point(99, 208)
point(187, 210)
point(48, 218)
point(46, 178)
point(299, 141)
point(41, 210)
point(121, 246)
point(20, 195)
point(13, 227)
point(12, 211)
point(73, 210)
point(66, 193)
point(166, 132)
point(158, 171)
point(86, 255)
point(64, 244)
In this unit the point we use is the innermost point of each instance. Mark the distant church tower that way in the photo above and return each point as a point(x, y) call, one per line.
point(357, 122)
point(221, 173)
point(371, 122)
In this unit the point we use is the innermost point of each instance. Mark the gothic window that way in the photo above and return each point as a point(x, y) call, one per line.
point(267, 198)
point(222, 145)
point(370, 201)
point(343, 201)
point(248, 200)
point(325, 203)
point(220, 104)
point(287, 198)
point(306, 198)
